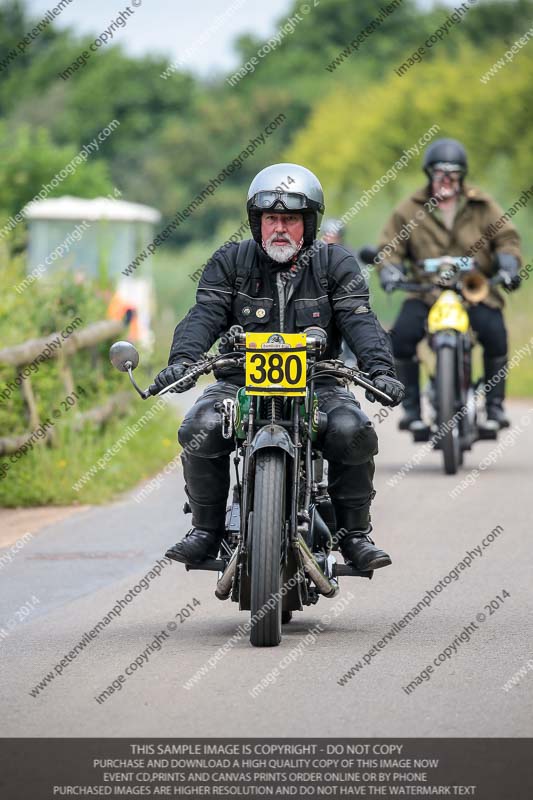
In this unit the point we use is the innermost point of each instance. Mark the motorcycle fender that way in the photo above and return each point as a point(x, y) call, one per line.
point(273, 436)
point(444, 339)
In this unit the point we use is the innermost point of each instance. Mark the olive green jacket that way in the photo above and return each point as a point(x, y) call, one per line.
point(481, 228)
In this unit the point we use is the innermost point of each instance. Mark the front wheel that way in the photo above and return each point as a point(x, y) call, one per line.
point(266, 548)
point(446, 391)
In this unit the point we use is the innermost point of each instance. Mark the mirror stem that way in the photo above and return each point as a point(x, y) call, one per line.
point(144, 394)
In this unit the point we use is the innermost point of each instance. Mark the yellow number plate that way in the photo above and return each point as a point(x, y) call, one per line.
point(276, 363)
point(448, 313)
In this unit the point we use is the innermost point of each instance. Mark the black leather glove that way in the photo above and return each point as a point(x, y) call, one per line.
point(170, 374)
point(510, 282)
point(390, 275)
point(508, 268)
point(390, 386)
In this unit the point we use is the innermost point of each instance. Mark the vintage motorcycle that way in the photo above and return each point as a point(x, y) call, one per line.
point(456, 418)
point(276, 553)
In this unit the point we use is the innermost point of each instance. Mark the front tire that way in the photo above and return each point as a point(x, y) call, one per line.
point(266, 548)
point(450, 443)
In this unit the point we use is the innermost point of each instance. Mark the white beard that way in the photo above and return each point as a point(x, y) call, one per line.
point(446, 192)
point(281, 253)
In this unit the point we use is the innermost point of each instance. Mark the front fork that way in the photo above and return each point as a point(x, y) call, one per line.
point(462, 345)
point(269, 436)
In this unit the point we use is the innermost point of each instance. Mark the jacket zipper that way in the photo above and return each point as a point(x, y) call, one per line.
point(281, 299)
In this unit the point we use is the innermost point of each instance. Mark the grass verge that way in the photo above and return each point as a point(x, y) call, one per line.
point(46, 475)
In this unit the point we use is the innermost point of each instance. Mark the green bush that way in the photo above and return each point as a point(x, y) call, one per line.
point(46, 473)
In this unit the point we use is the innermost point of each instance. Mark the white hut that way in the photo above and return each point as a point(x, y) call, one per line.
point(97, 239)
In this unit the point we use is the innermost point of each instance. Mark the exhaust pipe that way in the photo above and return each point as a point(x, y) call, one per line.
point(224, 584)
point(326, 586)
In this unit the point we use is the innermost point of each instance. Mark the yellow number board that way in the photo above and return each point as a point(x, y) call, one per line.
point(276, 363)
point(448, 313)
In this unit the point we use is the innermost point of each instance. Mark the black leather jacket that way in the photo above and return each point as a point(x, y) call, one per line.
point(337, 301)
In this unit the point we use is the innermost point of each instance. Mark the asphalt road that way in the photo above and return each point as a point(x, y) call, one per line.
point(73, 572)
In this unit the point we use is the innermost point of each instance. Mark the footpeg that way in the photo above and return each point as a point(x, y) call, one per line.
point(488, 430)
point(421, 432)
point(347, 569)
point(210, 564)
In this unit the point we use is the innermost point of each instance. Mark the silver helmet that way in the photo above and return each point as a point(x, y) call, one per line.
point(285, 188)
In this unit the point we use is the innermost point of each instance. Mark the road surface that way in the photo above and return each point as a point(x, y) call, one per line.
point(70, 574)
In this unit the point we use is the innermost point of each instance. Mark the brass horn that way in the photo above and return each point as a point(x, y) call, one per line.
point(475, 286)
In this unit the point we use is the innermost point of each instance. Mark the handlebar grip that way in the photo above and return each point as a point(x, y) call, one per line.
point(381, 395)
point(369, 387)
point(498, 279)
point(153, 391)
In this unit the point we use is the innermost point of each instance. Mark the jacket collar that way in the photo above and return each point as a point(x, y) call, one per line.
point(470, 193)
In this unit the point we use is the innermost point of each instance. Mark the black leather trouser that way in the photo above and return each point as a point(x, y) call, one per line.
point(349, 444)
point(410, 328)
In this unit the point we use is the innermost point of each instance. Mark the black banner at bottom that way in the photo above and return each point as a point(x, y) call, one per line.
point(485, 769)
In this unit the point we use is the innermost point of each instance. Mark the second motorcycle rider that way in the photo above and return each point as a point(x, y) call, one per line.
point(283, 280)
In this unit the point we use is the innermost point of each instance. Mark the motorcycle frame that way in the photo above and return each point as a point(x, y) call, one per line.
point(262, 434)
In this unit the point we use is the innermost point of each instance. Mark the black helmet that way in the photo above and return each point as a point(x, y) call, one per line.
point(445, 152)
point(284, 188)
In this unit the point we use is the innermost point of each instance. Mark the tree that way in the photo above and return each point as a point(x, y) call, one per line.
point(29, 160)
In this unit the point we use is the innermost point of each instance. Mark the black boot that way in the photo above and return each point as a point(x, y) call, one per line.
point(207, 483)
point(495, 395)
point(408, 372)
point(359, 549)
point(353, 539)
point(196, 546)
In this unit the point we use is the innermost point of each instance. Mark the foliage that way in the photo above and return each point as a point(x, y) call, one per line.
point(45, 475)
point(400, 109)
point(29, 160)
point(44, 307)
point(176, 134)
point(349, 124)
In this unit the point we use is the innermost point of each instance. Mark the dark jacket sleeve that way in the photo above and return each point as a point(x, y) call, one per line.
point(209, 317)
point(349, 297)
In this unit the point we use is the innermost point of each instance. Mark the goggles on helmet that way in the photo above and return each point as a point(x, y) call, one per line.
point(443, 168)
point(291, 201)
